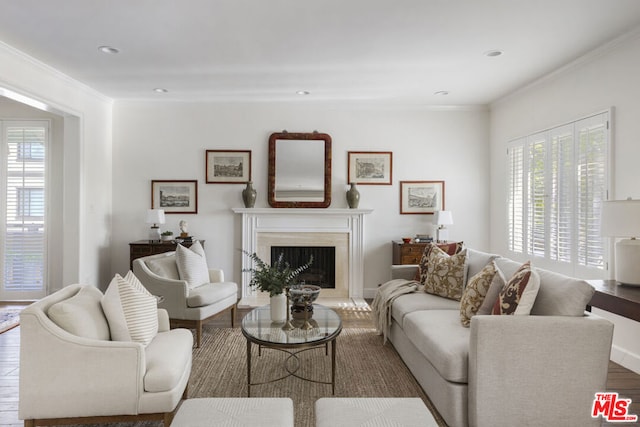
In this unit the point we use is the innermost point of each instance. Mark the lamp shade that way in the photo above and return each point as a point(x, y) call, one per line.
point(155, 216)
point(620, 218)
point(444, 218)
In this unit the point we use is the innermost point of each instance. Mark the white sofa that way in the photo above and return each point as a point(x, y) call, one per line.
point(536, 370)
point(76, 372)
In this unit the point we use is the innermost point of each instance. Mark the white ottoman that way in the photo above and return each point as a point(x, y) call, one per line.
point(364, 411)
point(235, 412)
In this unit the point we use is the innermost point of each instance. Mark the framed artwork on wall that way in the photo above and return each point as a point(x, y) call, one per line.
point(228, 166)
point(175, 197)
point(421, 197)
point(370, 167)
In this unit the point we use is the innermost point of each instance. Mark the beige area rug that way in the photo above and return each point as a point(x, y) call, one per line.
point(365, 368)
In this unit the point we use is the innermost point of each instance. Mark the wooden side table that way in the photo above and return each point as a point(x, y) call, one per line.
point(141, 248)
point(623, 300)
point(407, 253)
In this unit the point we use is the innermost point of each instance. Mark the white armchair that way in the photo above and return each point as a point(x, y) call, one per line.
point(72, 373)
point(188, 308)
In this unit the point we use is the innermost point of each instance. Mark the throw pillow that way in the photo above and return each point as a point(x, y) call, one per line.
point(446, 275)
point(450, 249)
point(131, 310)
point(519, 293)
point(475, 292)
point(82, 314)
point(192, 265)
point(497, 283)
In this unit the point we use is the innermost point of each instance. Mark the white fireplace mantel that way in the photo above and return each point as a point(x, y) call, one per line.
point(309, 221)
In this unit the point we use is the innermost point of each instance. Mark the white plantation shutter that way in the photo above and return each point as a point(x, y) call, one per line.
point(516, 196)
point(592, 135)
point(561, 194)
point(537, 193)
point(23, 250)
point(554, 211)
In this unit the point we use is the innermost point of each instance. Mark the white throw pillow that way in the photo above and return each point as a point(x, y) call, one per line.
point(132, 312)
point(192, 265)
point(82, 315)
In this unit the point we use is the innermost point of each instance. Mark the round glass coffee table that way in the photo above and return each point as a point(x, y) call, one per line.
point(322, 329)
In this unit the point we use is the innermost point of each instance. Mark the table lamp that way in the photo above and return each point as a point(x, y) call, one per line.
point(442, 219)
point(621, 218)
point(155, 217)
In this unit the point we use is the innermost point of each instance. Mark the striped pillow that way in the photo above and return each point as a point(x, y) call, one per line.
point(192, 265)
point(132, 312)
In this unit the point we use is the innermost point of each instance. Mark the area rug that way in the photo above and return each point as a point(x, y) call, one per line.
point(365, 368)
point(9, 318)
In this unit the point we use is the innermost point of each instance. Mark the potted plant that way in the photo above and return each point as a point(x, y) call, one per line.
point(167, 235)
point(274, 279)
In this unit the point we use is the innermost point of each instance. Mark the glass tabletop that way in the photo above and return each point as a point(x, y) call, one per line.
point(258, 327)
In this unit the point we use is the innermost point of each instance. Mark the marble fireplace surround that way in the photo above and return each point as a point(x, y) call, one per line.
point(342, 228)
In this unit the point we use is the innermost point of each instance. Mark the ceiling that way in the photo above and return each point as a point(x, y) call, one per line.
point(266, 50)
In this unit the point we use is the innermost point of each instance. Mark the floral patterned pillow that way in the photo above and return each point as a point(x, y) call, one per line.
point(519, 293)
point(446, 275)
point(450, 248)
point(475, 292)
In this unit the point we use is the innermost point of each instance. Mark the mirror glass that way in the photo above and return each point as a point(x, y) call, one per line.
point(299, 170)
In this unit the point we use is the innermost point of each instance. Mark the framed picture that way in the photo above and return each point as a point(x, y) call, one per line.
point(175, 197)
point(370, 167)
point(228, 166)
point(421, 197)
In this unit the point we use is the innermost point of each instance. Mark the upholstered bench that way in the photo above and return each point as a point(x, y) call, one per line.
point(364, 411)
point(235, 412)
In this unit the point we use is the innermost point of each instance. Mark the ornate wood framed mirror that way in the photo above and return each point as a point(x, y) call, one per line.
point(299, 170)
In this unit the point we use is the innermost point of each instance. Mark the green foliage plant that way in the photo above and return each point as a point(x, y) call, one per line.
point(273, 278)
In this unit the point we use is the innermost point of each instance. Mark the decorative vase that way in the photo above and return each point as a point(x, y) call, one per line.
point(249, 195)
point(278, 308)
point(353, 196)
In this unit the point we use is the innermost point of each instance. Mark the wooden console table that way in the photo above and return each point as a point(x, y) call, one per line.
point(406, 253)
point(623, 300)
point(142, 248)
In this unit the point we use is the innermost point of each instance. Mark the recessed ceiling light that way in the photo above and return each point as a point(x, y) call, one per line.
point(303, 92)
point(441, 92)
point(492, 53)
point(160, 90)
point(108, 49)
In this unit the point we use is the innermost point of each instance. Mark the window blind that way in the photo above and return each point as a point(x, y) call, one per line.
point(515, 164)
point(24, 184)
point(556, 184)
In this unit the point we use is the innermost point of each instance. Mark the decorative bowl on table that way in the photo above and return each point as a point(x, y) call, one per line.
point(302, 298)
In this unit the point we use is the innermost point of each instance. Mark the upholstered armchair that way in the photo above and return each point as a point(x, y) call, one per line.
point(72, 370)
point(190, 300)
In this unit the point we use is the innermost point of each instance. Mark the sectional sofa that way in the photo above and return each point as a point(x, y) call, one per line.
point(540, 369)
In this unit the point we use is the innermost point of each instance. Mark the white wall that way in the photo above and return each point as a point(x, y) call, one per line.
point(168, 141)
point(607, 78)
point(86, 202)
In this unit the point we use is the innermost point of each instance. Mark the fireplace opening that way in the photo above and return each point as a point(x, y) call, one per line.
point(322, 271)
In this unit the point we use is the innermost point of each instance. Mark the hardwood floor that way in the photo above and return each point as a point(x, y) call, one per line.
point(621, 380)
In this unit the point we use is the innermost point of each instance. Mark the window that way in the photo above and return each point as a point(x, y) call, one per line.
point(557, 180)
point(23, 175)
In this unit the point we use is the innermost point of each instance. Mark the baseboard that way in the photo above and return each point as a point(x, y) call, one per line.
point(625, 358)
